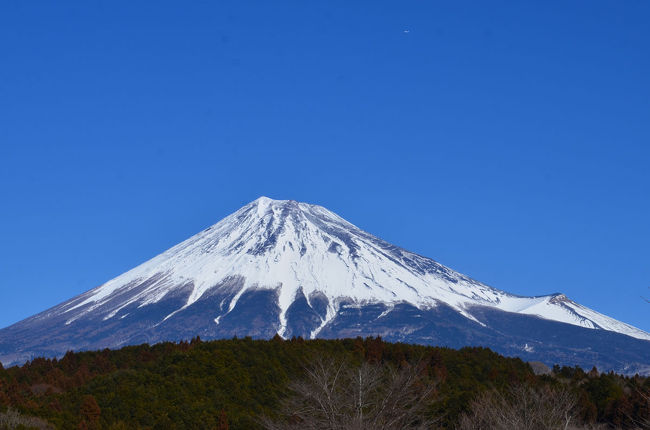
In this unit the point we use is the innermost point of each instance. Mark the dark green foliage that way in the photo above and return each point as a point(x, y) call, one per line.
point(231, 383)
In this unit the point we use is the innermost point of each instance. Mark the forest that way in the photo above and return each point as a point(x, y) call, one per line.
point(282, 384)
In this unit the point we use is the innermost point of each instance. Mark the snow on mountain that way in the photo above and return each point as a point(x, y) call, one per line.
point(296, 247)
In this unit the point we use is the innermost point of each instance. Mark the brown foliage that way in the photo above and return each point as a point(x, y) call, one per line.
point(223, 421)
point(90, 412)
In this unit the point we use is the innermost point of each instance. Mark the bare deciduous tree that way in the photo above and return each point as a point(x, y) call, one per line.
point(12, 419)
point(643, 420)
point(522, 407)
point(337, 396)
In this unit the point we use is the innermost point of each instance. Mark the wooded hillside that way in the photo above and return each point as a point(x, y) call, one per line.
point(237, 383)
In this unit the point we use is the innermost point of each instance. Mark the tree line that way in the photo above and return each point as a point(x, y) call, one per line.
point(325, 384)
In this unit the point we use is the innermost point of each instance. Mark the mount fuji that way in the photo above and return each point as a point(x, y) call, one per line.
point(280, 266)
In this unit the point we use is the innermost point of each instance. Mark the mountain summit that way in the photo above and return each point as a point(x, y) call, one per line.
point(301, 270)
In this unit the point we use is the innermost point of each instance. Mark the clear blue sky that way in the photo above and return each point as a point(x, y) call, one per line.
point(507, 140)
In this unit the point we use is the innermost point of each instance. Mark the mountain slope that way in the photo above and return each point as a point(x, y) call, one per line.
point(292, 268)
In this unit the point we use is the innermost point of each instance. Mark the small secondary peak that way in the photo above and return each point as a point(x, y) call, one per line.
point(558, 298)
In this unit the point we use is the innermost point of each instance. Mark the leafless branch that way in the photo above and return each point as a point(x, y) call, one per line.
point(12, 419)
point(337, 396)
point(522, 407)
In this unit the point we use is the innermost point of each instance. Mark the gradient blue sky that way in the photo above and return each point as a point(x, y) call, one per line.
point(507, 140)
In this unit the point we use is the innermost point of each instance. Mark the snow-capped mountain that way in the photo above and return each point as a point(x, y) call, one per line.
point(300, 270)
point(288, 246)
